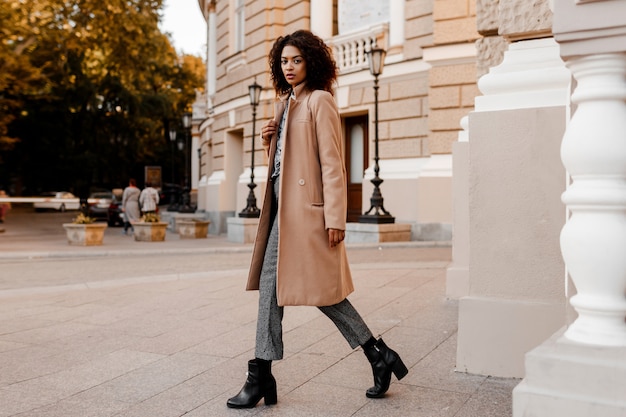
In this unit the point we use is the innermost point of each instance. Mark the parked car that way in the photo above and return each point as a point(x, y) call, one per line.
point(98, 204)
point(114, 213)
point(58, 200)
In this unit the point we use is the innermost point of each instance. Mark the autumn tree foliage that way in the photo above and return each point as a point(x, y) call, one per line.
point(87, 91)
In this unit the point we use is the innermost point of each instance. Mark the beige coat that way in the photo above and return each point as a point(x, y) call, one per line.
point(313, 198)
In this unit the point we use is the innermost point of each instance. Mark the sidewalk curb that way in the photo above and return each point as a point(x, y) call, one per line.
point(218, 249)
point(104, 253)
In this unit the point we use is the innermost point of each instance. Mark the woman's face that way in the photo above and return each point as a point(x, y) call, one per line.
point(293, 65)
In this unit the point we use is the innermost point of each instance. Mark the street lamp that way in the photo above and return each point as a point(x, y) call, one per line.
point(251, 210)
point(173, 198)
point(376, 59)
point(199, 163)
point(185, 207)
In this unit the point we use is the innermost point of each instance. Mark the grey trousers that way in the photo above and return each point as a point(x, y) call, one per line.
point(269, 332)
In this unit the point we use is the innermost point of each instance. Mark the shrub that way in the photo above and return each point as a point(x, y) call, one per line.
point(150, 218)
point(82, 219)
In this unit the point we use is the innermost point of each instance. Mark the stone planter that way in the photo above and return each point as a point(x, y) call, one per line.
point(90, 234)
point(149, 232)
point(193, 229)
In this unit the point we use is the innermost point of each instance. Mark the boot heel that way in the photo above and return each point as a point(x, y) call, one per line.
point(271, 397)
point(399, 369)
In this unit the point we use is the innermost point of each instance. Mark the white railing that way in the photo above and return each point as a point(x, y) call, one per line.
point(39, 200)
point(350, 49)
point(594, 237)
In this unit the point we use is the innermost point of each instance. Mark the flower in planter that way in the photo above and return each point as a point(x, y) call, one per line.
point(150, 218)
point(83, 219)
point(84, 231)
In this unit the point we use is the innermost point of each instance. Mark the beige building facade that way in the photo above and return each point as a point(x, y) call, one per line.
point(501, 127)
point(427, 86)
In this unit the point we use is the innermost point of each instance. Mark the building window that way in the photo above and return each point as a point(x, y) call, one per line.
point(240, 25)
point(353, 15)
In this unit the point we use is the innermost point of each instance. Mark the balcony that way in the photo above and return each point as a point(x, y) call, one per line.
point(350, 49)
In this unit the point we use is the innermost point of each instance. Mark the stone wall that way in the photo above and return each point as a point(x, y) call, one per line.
point(515, 295)
point(453, 79)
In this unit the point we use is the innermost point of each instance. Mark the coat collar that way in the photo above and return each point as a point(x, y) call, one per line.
point(297, 92)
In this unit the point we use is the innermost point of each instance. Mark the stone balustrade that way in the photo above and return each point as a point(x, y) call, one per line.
point(350, 50)
point(594, 238)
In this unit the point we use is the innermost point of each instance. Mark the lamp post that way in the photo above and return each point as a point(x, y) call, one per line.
point(251, 210)
point(173, 198)
point(376, 213)
point(185, 207)
point(199, 162)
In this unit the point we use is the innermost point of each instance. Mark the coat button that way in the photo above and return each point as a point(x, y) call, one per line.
point(301, 181)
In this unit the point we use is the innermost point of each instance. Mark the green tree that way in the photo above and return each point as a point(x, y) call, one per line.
point(103, 83)
point(18, 77)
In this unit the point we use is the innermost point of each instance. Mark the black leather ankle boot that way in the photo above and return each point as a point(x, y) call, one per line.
point(259, 384)
point(384, 361)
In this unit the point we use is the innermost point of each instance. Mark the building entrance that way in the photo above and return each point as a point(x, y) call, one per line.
point(356, 156)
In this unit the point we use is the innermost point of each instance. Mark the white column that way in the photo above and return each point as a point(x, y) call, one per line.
point(211, 56)
point(593, 241)
point(322, 18)
point(457, 275)
point(195, 162)
point(396, 23)
point(515, 285)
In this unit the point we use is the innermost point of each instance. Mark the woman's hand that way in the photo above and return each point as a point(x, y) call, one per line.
point(267, 131)
point(335, 236)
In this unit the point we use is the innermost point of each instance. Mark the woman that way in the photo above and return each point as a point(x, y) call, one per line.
point(149, 199)
point(304, 218)
point(130, 204)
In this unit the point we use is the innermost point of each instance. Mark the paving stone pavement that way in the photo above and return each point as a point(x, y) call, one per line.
point(165, 329)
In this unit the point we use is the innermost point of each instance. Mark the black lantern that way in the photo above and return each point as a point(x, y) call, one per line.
point(251, 210)
point(185, 207)
point(376, 213)
point(376, 60)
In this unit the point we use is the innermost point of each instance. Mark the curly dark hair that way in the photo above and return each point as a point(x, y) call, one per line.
point(321, 70)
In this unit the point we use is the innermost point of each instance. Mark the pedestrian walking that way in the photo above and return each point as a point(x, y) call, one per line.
point(299, 256)
point(4, 206)
point(149, 199)
point(130, 205)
